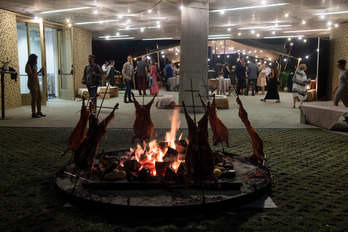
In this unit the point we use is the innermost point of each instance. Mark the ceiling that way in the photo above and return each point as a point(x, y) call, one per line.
point(132, 19)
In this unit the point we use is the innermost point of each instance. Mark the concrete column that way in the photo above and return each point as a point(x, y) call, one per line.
point(339, 50)
point(194, 50)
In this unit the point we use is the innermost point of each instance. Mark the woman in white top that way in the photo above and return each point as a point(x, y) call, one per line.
point(299, 84)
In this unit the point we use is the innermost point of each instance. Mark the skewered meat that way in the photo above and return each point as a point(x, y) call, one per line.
point(79, 132)
point(199, 159)
point(220, 131)
point(258, 155)
point(84, 155)
point(143, 126)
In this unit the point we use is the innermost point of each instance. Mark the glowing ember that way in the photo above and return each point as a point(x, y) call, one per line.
point(152, 152)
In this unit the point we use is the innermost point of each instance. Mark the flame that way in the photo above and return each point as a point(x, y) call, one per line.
point(150, 153)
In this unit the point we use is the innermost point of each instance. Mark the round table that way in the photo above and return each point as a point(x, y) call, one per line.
point(173, 83)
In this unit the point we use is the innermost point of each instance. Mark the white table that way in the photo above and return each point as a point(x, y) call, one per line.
point(164, 101)
point(225, 84)
point(173, 83)
point(322, 116)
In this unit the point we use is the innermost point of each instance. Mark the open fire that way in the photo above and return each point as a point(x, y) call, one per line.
point(168, 153)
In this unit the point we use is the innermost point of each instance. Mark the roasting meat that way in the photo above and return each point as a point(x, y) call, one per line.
point(199, 159)
point(143, 126)
point(258, 155)
point(220, 131)
point(79, 133)
point(85, 154)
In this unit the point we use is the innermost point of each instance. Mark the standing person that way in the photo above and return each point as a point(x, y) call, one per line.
point(226, 70)
point(299, 84)
point(105, 68)
point(34, 86)
point(169, 74)
point(252, 77)
point(111, 73)
point(153, 74)
point(142, 69)
point(240, 73)
point(128, 73)
point(92, 78)
point(341, 91)
point(262, 78)
point(272, 92)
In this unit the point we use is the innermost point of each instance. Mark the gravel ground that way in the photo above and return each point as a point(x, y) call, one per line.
point(309, 185)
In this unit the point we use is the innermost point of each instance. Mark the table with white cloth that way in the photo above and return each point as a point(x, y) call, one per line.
point(173, 83)
point(323, 116)
point(165, 101)
point(224, 85)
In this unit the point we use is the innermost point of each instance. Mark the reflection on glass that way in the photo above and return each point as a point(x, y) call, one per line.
point(35, 47)
point(22, 41)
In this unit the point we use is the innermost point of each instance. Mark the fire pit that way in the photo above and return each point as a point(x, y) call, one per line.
point(166, 175)
point(240, 182)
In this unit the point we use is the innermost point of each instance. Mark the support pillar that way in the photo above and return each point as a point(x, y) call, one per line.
point(194, 51)
point(339, 50)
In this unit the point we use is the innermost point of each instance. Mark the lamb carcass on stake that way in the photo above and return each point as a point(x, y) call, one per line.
point(199, 159)
point(84, 155)
point(79, 132)
point(143, 126)
point(258, 155)
point(220, 131)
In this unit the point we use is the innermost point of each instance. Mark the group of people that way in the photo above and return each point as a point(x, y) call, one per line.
point(257, 76)
point(93, 77)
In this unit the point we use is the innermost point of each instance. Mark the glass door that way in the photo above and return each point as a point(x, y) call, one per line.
point(30, 41)
point(65, 60)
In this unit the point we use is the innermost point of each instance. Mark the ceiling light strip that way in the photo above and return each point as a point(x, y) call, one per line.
point(282, 36)
point(128, 29)
point(112, 36)
point(168, 38)
point(94, 22)
point(251, 7)
point(263, 27)
point(312, 30)
point(217, 38)
point(219, 35)
point(335, 12)
point(63, 10)
point(121, 38)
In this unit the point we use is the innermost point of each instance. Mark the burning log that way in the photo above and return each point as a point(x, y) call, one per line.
point(258, 155)
point(161, 168)
point(79, 132)
point(105, 160)
point(170, 174)
point(144, 173)
point(171, 155)
point(115, 175)
point(199, 158)
point(143, 126)
point(131, 165)
point(109, 169)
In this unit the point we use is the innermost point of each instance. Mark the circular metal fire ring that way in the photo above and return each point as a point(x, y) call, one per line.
point(164, 197)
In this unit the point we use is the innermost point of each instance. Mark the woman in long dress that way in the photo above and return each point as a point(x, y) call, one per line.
point(262, 78)
point(299, 86)
point(153, 74)
point(272, 92)
point(34, 86)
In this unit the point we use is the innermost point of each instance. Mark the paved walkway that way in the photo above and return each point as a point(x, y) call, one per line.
point(64, 113)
